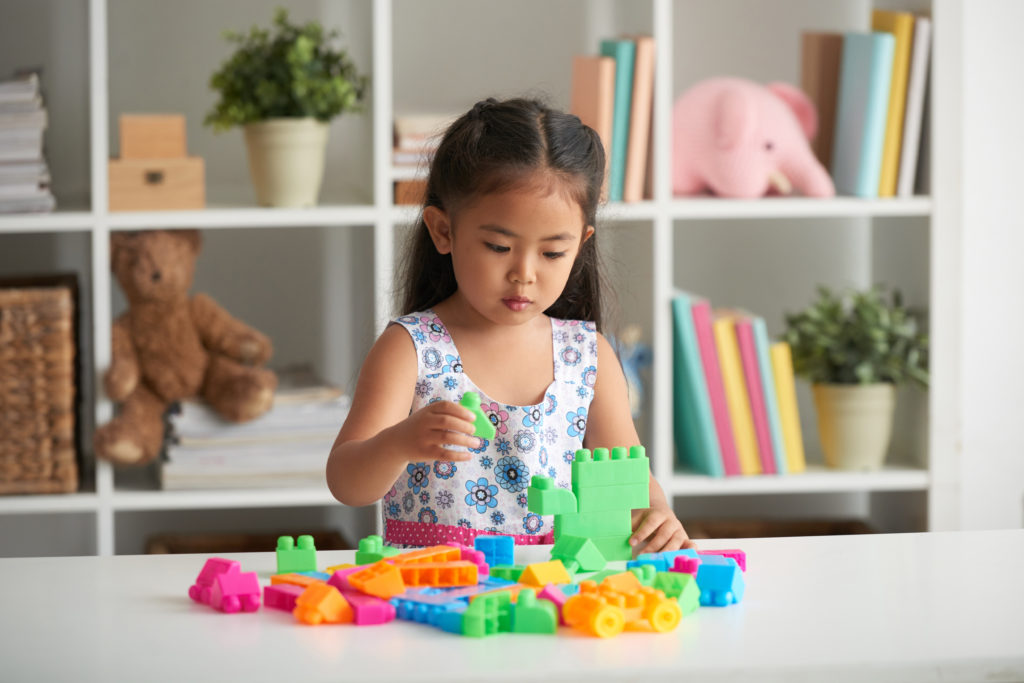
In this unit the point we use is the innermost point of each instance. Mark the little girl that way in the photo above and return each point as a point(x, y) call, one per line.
point(501, 297)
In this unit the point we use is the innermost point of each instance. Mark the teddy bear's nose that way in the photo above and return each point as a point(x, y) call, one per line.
point(156, 276)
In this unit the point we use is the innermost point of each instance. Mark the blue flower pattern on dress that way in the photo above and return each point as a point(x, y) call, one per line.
point(489, 491)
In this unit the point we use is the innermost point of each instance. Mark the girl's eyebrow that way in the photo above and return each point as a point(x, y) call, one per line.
point(490, 227)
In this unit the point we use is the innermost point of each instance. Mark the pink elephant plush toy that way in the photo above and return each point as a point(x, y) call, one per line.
point(738, 138)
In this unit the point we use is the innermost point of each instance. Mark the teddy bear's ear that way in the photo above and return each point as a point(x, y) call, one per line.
point(801, 105)
point(191, 237)
point(122, 244)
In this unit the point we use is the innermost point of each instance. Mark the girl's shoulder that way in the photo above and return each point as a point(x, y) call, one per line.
point(581, 325)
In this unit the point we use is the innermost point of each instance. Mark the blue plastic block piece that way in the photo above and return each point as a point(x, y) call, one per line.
point(451, 621)
point(497, 550)
point(663, 561)
point(544, 498)
point(319, 576)
point(720, 581)
point(422, 612)
point(292, 559)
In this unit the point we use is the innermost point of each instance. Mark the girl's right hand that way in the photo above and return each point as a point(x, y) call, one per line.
point(425, 433)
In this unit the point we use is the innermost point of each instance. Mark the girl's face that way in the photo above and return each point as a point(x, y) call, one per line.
point(512, 251)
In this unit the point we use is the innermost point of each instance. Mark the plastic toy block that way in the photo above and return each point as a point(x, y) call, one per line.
point(488, 614)
point(540, 574)
point(282, 596)
point(578, 554)
point(623, 582)
point(450, 621)
point(662, 561)
point(720, 581)
point(497, 550)
point(595, 523)
point(533, 615)
point(484, 428)
point(601, 576)
point(335, 567)
point(592, 614)
point(624, 496)
point(512, 590)
point(557, 595)
point(295, 559)
point(372, 549)
point(318, 576)
point(614, 547)
point(544, 498)
point(293, 578)
point(380, 579)
point(442, 596)
point(235, 590)
point(620, 602)
point(436, 553)
point(467, 554)
point(321, 603)
point(200, 590)
point(605, 470)
point(645, 573)
point(686, 565)
point(682, 587)
point(339, 579)
point(738, 555)
point(368, 610)
point(456, 573)
point(509, 573)
point(426, 613)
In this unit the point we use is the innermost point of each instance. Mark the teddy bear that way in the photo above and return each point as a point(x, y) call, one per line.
point(168, 347)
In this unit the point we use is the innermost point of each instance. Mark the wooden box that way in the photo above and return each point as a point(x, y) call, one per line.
point(157, 184)
point(152, 136)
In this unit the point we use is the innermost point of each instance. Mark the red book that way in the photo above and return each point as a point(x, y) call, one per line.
point(716, 389)
point(752, 374)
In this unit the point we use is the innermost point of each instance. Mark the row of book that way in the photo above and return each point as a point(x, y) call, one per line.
point(415, 137)
point(24, 174)
point(734, 398)
point(613, 93)
point(285, 447)
point(869, 88)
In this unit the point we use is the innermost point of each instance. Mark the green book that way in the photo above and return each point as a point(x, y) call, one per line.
point(624, 53)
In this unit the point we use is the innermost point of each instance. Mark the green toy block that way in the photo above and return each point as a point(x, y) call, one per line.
point(372, 549)
point(484, 428)
point(646, 573)
point(614, 497)
point(488, 614)
point(508, 572)
point(544, 498)
point(291, 559)
point(602, 575)
point(578, 553)
point(682, 587)
point(594, 524)
point(604, 469)
point(530, 615)
point(614, 547)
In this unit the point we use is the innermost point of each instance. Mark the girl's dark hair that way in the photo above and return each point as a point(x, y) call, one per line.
point(495, 147)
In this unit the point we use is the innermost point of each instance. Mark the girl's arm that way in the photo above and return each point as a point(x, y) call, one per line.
point(380, 437)
point(609, 424)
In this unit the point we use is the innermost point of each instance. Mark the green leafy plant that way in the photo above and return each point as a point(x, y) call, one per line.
point(292, 72)
point(857, 337)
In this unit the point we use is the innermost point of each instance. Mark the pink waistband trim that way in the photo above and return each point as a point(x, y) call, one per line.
point(427, 534)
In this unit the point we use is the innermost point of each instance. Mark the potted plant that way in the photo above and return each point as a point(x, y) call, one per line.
point(283, 86)
point(855, 348)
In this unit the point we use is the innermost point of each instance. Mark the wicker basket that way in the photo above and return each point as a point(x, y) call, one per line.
point(37, 390)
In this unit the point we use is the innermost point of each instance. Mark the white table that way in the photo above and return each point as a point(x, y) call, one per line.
point(941, 606)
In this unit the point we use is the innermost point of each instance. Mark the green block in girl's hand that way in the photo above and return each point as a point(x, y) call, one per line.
point(484, 428)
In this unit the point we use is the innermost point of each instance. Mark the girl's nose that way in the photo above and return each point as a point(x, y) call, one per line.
point(522, 272)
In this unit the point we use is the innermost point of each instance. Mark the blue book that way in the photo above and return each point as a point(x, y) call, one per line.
point(771, 403)
point(865, 73)
point(693, 423)
point(624, 53)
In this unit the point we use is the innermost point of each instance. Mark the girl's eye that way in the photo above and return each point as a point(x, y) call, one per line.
point(554, 254)
point(497, 248)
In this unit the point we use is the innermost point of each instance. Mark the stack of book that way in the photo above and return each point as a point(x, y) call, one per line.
point(734, 393)
point(869, 89)
point(287, 446)
point(416, 137)
point(24, 175)
point(613, 93)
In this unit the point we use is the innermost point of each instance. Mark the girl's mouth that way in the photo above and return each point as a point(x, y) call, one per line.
point(516, 303)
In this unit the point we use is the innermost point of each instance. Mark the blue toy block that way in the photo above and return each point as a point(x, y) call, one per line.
point(319, 576)
point(720, 581)
point(663, 561)
point(497, 550)
point(451, 621)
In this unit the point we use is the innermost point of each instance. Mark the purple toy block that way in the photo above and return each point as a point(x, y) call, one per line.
point(235, 590)
point(738, 555)
point(281, 596)
point(368, 609)
point(686, 565)
point(200, 590)
point(553, 593)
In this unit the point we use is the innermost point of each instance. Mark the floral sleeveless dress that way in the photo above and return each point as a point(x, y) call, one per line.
point(441, 502)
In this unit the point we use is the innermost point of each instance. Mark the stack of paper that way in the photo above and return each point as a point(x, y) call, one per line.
point(24, 176)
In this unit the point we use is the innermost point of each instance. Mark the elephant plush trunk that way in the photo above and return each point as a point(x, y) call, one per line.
point(778, 180)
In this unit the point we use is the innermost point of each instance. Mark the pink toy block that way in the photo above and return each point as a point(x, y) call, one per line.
point(739, 555)
point(554, 594)
point(281, 596)
point(686, 565)
point(339, 579)
point(475, 556)
point(200, 590)
point(369, 610)
point(235, 590)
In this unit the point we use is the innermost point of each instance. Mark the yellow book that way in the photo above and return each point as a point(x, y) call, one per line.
point(736, 393)
point(901, 26)
point(789, 414)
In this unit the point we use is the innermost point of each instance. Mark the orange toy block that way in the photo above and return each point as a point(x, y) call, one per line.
point(380, 579)
point(321, 603)
point(294, 579)
point(618, 603)
point(540, 574)
point(437, 553)
point(439, 574)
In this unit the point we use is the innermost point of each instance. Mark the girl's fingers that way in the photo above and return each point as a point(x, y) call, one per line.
point(647, 527)
point(454, 424)
point(660, 540)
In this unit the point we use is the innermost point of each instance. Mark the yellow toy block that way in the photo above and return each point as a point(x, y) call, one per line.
point(336, 567)
point(321, 603)
point(540, 574)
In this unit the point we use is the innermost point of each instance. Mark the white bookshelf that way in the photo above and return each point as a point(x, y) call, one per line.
point(656, 237)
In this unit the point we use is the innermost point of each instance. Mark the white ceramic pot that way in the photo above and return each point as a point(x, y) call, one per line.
point(286, 160)
point(854, 423)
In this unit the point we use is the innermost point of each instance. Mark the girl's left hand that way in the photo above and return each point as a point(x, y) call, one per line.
point(657, 529)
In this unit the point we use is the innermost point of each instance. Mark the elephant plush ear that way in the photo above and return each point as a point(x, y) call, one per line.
point(804, 110)
point(735, 111)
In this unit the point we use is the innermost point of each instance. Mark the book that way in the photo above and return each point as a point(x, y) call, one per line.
point(755, 393)
point(693, 424)
point(593, 99)
point(820, 56)
point(640, 120)
point(789, 413)
point(901, 26)
point(861, 111)
point(736, 393)
point(624, 53)
point(916, 81)
point(702, 323)
point(771, 403)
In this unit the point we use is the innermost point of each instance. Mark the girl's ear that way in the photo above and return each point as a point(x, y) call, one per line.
point(588, 232)
point(439, 227)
